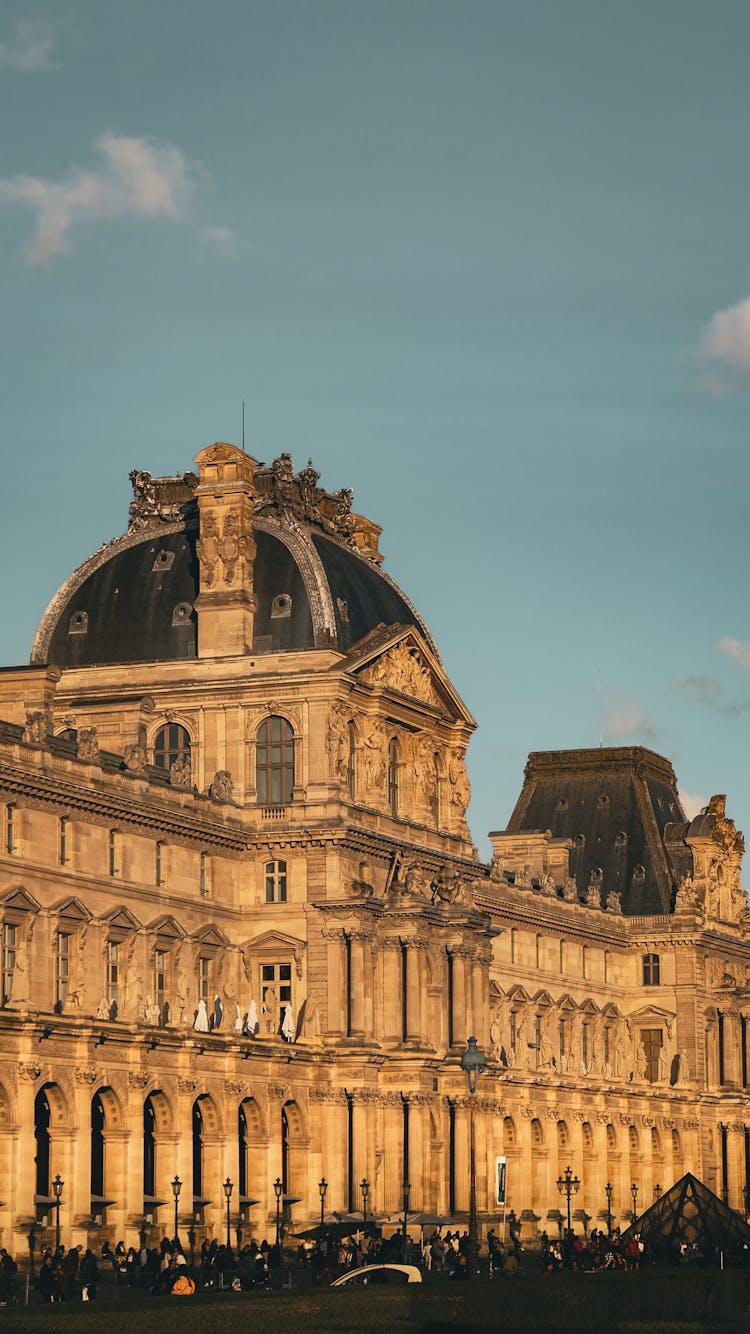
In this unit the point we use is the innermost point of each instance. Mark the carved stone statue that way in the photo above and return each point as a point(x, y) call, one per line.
point(570, 889)
point(88, 746)
point(337, 744)
point(38, 726)
point(594, 896)
point(417, 880)
point(222, 788)
point(460, 787)
point(180, 773)
point(548, 886)
point(135, 758)
point(614, 902)
point(373, 757)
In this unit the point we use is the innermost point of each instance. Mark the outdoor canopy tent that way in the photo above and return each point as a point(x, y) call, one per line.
point(690, 1212)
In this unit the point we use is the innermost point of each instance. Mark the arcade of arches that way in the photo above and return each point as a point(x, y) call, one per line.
point(244, 932)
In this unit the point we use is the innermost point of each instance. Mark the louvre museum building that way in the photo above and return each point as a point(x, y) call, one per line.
point(246, 935)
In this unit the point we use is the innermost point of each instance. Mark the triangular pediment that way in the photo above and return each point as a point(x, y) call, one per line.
point(566, 1002)
point(166, 927)
point(589, 1007)
point(72, 909)
point(18, 900)
point(275, 940)
point(518, 993)
point(542, 998)
point(212, 935)
point(398, 661)
point(121, 919)
point(651, 1013)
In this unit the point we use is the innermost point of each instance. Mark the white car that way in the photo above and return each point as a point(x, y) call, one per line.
point(376, 1275)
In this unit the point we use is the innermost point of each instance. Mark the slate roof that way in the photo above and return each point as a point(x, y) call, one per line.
point(614, 803)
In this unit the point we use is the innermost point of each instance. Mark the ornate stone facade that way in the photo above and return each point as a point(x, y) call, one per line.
point(245, 932)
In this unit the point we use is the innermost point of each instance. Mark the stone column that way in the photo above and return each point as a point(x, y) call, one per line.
point(336, 1019)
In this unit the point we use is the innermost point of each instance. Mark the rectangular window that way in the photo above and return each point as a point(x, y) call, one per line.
point(62, 969)
point(563, 1040)
point(113, 852)
point(606, 1047)
point(652, 1041)
point(113, 977)
point(513, 1029)
point(275, 992)
point(276, 882)
point(63, 841)
point(160, 982)
point(9, 960)
point(10, 830)
point(204, 979)
point(158, 865)
point(203, 874)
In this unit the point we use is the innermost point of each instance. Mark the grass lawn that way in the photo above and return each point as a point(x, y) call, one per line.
point(646, 1303)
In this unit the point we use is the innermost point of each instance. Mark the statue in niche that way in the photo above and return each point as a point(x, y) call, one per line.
point(103, 1009)
point(21, 980)
point(546, 1047)
point(460, 787)
point(269, 1011)
point(77, 979)
point(641, 1062)
point(180, 773)
point(373, 757)
point(425, 772)
point(621, 1053)
point(222, 788)
point(337, 744)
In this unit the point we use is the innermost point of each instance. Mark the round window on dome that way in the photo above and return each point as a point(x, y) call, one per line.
point(281, 605)
point(78, 623)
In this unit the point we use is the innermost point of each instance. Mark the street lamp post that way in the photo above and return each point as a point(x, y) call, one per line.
point(32, 1246)
point(634, 1193)
point(364, 1186)
point(322, 1187)
point(57, 1188)
point(278, 1190)
point(473, 1063)
point(568, 1185)
point(176, 1188)
point(406, 1189)
point(228, 1187)
point(657, 1192)
point(608, 1189)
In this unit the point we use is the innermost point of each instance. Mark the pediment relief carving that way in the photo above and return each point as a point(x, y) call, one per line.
point(404, 669)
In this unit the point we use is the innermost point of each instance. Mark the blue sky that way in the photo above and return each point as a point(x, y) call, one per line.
point(486, 262)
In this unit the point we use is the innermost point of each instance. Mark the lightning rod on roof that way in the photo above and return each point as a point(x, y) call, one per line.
point(243, 423)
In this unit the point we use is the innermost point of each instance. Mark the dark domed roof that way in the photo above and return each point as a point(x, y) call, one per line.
point(134, 600)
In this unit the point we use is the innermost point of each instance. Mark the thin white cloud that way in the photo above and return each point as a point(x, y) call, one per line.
point(625, 718)
point(30, 49)
point(692, 803)
point(223, 240)
point(738, 650)
point(136, 178)
point(725, 348)
point(709, 692)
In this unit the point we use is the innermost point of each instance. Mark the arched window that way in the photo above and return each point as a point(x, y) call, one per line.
point(171, 744)
point(651, 970)
point(393, 768)
point(351, 763)
point(276, 882)
point(274, 764)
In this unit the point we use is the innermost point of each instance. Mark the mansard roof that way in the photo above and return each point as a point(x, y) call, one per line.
point(615, 804)
point(134, 600)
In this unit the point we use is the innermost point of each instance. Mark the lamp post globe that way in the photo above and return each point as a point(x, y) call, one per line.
point(57, 1190)
point(228, 1188)
point(323, 1188)
point(176, 1188)
point(278, 1190)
